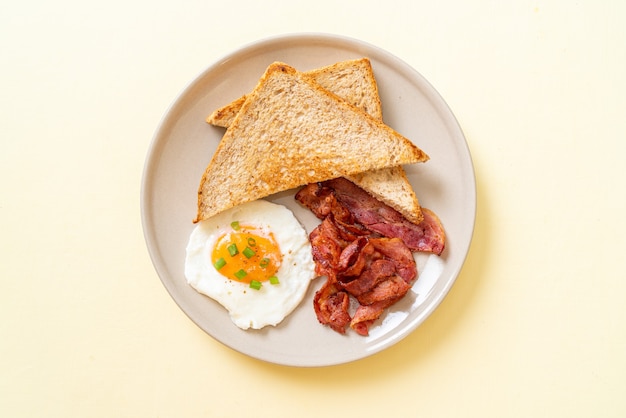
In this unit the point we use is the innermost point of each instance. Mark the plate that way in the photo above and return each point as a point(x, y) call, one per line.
point(184, 143)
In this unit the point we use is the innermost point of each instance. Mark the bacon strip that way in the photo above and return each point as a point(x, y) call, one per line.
point(427, 236)
point(391, 289)
point(331, 306)
point(364, 248)
point(395, 250)
point(326, 246)
point(372, 270)
point(365, 315)
point(374, 302)
point(378, 271)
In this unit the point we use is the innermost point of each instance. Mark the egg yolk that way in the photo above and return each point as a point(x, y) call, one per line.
point(247, 255)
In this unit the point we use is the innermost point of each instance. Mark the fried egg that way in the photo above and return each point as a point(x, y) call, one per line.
point(254, 259)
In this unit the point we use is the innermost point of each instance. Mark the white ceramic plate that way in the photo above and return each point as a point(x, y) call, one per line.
point(183, 145)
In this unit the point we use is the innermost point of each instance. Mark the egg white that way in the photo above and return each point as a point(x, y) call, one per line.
point(247, 307)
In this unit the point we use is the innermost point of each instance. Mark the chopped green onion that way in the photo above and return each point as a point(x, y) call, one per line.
point(248, 252)
point(232, 250)
point(274, 280)
point(255, 284)
point(264, 262)
point(235, 225)
point(251, 242)
point(219, 263)
point(240, 274)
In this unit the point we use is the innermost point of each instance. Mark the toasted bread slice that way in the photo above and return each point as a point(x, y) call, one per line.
point(354, 81)
point(290, 132)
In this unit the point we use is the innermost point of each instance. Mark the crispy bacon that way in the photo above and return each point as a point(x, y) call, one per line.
point(327, 246)
point(367, 268)
point(427, 236)
point(375, 301)
point(318, 201)
point(378, 271)
point(433, 237)
point(395, 250)
point(364, 248)
point(331, 306)
point(365, 316)
point(354, 259)
point(391, 289)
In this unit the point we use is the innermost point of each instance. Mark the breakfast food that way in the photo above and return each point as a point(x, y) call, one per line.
point(254, 259)
point(294, 130)
point(354, 81)
point(364, 248)
point(290, 132)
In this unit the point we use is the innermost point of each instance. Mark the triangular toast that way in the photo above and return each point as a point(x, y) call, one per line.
point(290, 132)
point(354, 81)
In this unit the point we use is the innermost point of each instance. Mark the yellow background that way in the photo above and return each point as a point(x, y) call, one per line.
point(535, 325)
